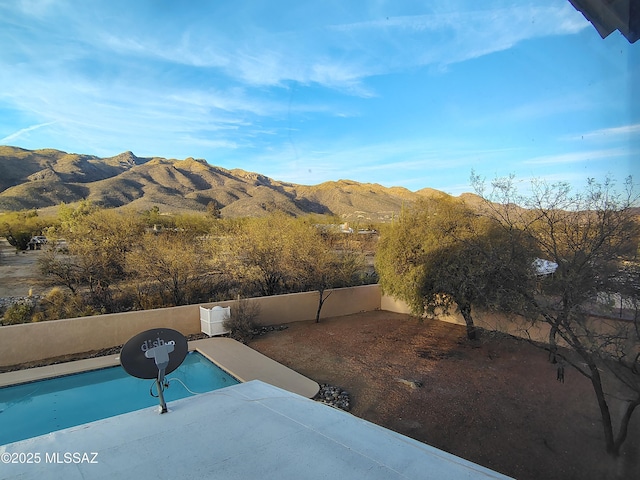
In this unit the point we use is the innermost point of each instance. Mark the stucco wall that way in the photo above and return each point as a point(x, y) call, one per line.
point(37, 341)
point(539, 331)
point(391, 304)
point(516, 325)
point(296, 307)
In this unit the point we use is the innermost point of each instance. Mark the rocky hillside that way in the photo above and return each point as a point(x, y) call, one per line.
point(43, 179)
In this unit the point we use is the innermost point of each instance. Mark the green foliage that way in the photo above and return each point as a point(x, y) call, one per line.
point(195, 224)
point(153, 218)
point(97, 243)
point(321, 267)
point(113, 261)
point(69, 215)
point(242, 322)
point(18, 313)
point(19, 239)
point(19, 227)
point(439, 255)
point(171, 265)
point(264, 252)
point(279, 254)
point(58, 304)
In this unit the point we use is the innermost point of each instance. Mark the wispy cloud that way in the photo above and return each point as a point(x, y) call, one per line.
point(612, 133)
point(413, 163)
point(557, 103)
point(263, 59)
point(35, 7)
point(21, 132)
point(453, 37)
point(181, 49)
point(133, 114)
point(576, 157)
point(343, 56)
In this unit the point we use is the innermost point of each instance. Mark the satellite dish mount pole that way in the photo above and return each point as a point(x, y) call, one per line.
point(161, 356)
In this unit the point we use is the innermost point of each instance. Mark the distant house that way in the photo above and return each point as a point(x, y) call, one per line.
point(544, 267)
point(37, 242)
point(344, 228)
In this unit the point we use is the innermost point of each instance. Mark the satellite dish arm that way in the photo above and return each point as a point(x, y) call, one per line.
point(161, 356)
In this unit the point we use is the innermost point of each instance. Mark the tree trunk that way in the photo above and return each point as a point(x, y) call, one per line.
point(624, 424)
point(321, 301)
point(612, 443)
point(605, 414)
point(553, 347)
point(465, 310)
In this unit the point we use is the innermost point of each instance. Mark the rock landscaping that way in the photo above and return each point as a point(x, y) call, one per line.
point(334, 397)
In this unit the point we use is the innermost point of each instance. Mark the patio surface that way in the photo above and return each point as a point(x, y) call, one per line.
point(250, 430)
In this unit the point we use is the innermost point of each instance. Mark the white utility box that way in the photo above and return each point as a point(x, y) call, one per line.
point(211, 320)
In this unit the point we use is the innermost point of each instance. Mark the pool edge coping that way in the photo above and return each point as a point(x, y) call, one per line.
point(239, 360)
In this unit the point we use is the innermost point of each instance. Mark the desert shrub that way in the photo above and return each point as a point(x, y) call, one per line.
point(18, 313)
point(20, 240)
point(59, 303)
point(54, 305)
point(241, 324)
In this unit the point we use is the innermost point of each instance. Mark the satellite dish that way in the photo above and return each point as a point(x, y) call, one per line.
point(138, 363)
point(153, 354)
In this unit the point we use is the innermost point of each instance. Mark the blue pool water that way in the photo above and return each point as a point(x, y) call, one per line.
point(41, 407)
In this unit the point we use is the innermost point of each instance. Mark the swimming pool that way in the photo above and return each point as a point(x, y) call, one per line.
point(44, 406)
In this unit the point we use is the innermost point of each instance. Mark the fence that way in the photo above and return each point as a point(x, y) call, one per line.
point(38, 341)
point(523, 328)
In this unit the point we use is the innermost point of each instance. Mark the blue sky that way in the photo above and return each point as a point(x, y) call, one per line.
point(397, 92)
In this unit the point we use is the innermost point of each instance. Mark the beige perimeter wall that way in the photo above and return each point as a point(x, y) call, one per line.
point(37, 341)
point(521, 327)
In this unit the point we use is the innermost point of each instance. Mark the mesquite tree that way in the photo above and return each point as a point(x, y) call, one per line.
point(97, 243)
point(592, 237)
point(281, 254)
point(172, 265)
point(440, 255)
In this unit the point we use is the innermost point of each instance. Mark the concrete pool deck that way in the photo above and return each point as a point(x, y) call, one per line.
point(245, 431)
point(242, 362)
point(266, 427)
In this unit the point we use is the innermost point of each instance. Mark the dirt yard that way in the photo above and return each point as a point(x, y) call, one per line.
point(19, 272)
point(496, 403)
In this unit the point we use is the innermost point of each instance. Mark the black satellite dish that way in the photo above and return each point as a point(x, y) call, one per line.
point(138, 363)
point(154, 354)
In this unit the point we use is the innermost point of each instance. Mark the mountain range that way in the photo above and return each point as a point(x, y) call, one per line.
point(43, 179)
